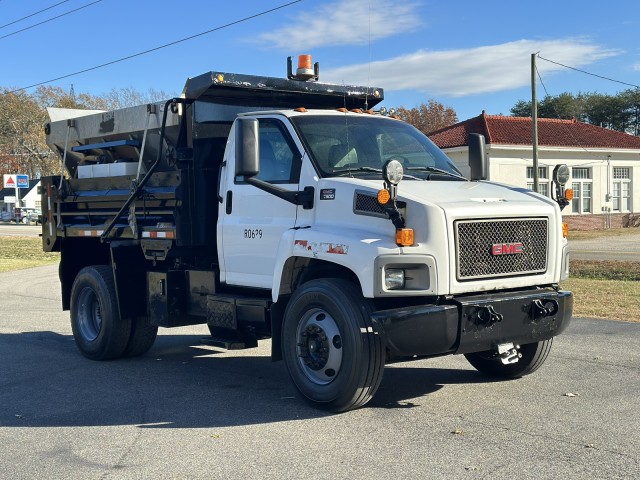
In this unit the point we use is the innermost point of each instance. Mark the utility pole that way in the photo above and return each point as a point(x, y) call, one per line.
point(534, 121)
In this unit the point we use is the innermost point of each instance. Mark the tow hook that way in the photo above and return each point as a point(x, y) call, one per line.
point(544, 308)
point(487, 315)
point(509, 353)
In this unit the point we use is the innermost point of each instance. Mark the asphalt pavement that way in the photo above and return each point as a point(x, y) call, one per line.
point(607, 247)
point(185, 410)
point(12, 230)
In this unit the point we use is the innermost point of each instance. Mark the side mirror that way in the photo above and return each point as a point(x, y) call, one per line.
point(247, 139)
point(477, 157)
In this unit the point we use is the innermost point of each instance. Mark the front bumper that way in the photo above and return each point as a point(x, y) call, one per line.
point(474, 323)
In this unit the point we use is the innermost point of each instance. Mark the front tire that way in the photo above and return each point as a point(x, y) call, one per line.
point(333, 356)
point(98, 330)
point(533, 356)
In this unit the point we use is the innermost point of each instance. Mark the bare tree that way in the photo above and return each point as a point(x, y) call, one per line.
point(22, 139)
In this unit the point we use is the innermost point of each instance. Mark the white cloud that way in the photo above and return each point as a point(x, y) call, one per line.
point(345, 22)
point(636, 67)
point(463, 72)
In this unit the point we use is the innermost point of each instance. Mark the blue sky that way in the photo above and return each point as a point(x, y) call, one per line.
point(471, 56)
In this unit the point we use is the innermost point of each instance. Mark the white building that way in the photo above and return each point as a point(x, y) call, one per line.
point(605, 164)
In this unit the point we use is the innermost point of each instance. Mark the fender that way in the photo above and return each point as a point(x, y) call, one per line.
point(354, 250)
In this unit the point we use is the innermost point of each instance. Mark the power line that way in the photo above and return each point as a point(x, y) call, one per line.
point(33, 14)
point(129, 57)
point(570, 130)
point(589, 73)
point(51, 19)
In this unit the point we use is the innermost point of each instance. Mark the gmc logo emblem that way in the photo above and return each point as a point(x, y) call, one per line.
point(506, 248)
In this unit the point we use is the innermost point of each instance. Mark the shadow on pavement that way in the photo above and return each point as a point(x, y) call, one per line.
point(179, 383)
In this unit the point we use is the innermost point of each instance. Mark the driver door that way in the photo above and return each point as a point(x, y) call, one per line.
point(254, 221)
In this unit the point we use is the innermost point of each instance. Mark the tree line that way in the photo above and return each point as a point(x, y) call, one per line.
point(619, 112)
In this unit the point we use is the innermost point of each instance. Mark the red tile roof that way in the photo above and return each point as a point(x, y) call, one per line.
point(498, 129)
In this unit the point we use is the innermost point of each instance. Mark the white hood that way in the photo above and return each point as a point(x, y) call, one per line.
point(476, 199)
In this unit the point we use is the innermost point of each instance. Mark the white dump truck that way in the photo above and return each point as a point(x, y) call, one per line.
point(293, 210)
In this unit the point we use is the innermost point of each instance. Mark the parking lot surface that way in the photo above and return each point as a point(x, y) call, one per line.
point(186, 410)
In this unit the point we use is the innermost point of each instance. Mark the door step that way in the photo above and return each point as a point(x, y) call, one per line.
point(228, 343)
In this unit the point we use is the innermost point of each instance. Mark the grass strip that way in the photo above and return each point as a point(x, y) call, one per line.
point(605, 270)
point(17, 253)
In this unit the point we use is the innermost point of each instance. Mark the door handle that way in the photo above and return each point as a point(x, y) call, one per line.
point(229, 202)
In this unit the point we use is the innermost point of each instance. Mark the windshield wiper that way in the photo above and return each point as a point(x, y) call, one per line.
point(436, 170)
point(344, 173)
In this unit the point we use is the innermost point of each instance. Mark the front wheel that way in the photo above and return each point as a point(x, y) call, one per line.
point(533, 356)
point(98, 330)
point(333, 356)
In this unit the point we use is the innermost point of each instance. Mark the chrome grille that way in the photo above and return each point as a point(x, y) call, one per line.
point(478, 258)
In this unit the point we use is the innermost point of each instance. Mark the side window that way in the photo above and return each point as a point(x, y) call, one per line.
point(279, 159)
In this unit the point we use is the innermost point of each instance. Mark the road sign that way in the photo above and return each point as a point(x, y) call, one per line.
point(22, 181)
point(15, 180)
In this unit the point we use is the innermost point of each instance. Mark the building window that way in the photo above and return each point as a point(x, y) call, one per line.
point(543, 188)
point(543, 172)
point(582, 190)
point(543, 180)
point(621, 191)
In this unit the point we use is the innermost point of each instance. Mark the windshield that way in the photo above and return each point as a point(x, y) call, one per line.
point(360, 146)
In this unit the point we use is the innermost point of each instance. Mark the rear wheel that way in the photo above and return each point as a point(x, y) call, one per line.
point(98, 330)
point(142, 337)
point(533, 356)
point(332, 354)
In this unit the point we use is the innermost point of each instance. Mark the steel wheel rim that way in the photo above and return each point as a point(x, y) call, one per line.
point(89, 315)
point(319, 347)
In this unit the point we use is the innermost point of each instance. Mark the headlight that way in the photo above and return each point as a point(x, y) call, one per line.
point(393, 172)
point(394, 278)
point(561, 174)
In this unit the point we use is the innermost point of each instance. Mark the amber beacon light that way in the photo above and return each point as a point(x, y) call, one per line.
point(306, 70)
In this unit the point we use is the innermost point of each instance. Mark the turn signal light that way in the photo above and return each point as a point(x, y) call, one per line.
point(383, 196)
point(568, 194)
point(404, 237)
point(565, 230)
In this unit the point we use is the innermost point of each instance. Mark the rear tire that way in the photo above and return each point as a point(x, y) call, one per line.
point(99, 332)
point(333, 356)
point(142, 337)
point(533, 356)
